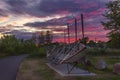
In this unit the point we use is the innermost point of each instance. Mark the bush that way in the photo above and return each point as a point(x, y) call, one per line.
point(95, 51)
point(40, 52)
point(102, 52)
point(9, 46)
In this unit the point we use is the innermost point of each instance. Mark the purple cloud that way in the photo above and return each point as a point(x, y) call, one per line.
point(92, 10)
point(41, 8)
point(3, 13)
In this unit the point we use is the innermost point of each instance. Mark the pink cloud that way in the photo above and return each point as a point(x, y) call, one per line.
point(99, 12)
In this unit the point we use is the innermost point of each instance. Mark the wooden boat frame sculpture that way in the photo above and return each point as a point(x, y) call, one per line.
point(66, 54)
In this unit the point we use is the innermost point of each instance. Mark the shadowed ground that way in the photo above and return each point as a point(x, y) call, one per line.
point(9, 67)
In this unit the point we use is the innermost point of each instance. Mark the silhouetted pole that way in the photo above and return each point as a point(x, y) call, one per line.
point(82, 22)
point(68, 33)
point(64, 36)
point(75, 29)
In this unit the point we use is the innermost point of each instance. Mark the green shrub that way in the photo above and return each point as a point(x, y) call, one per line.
point(102, 52)
point(9, 46)
point(95, 51)
point(40, 52)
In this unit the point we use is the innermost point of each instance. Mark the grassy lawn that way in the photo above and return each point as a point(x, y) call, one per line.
point(36, 69)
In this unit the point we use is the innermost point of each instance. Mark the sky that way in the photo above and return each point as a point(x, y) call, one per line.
point(23, 18)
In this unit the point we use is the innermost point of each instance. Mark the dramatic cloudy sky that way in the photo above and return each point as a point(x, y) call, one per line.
point(25, 17)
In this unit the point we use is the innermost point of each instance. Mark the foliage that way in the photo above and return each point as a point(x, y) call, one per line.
point(102, 52)
point(41, 38)
point(40, 52)
point(48, 37)
point(96, 51)
point(84, 40)
point(114, 40)
point(91, 43)
point(113, 15)
point(113, 24)
point(10, 45)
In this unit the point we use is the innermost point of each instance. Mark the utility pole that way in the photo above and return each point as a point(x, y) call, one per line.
point(64, 36)
point(68, 33)
point(75, 29)
point(82, 22)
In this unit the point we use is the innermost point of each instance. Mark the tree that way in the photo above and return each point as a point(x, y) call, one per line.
point(113, 22)
point(85, 40)
point(9, 44)
point(42, 38)
point(114, 40)
point(101, 44)
point(48, 37)
point(91, 43)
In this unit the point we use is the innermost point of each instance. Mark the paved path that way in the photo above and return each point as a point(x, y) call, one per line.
point(9, 67)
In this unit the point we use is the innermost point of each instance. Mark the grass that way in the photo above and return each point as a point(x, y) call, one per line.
point(44, 71)
point(102, 52)
point(36, 69)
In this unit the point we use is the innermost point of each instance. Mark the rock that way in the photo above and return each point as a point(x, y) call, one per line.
point(101, 65)
point(116, 68)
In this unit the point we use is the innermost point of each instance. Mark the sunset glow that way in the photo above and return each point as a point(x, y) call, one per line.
point(32, 16)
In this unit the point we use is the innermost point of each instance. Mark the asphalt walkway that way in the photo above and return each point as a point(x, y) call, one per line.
point(10, 66)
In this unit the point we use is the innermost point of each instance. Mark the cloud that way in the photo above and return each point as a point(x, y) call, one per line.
point(92, 10)
point(20, 34)
point(62, 21)
point(43, 24)
point(42, 8)
point(3, 13)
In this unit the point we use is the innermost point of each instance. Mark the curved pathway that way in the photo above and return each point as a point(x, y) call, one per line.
point(9, 67)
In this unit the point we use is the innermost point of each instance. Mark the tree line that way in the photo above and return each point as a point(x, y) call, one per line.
point(112, 23)
point(43, 38)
